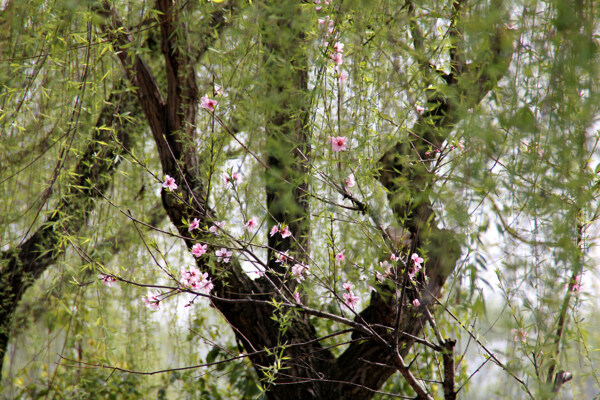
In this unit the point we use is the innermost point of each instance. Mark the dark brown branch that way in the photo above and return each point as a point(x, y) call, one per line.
point(138, 73)
point(448, 360)
point(410, 378)
point(560, 378)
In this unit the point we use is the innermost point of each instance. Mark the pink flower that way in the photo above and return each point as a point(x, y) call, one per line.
point(285, 232)
point(152, 302)
point(388, 271)
point(223, 255)
point(107, 279)
point(340, 257)
point(350, 299)
point(205, 284)
point(218, 90)
point(394, 257)
point(417, 260)
point(520, 334)
point(349, 181)
point(343, 76)
point(169, 183)
point(215, 228)
point(298, 272)
point(297, 297)
point(234, 178)
point(347, 286)
point(326, 22)
point(576, 286)
point(282, 257)
point(194, 225)
point(339, 143)
point(196, 280)
point(259, 272)
point(338, 58)
point(420, 109)
point(338, 47)
point(199, 249)
point(414, 270)
point(190, 276)
point(416, 303)
point(251, 224)
point(208, 104)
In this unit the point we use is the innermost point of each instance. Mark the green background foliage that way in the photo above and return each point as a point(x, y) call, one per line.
point(511, 177)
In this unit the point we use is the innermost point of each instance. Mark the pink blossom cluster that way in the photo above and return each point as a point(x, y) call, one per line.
point(218, 226)
point(338, 53)
point(297, 297)
point(574, 286)
point(299, 271)
point(349, 297)
point(349, 182)
point(388, 271)
point(285, 232)
point(107, 279)
point(223, 255)
point(326, 23)
point(520, 334)
point(233, 179)
point(152, 302)
point(337, 56)
point(318, 6)
point(194, 279)
point(283, 257)
point(416, 267)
